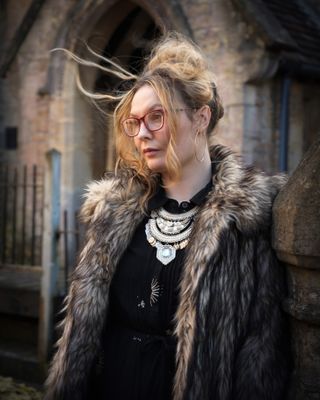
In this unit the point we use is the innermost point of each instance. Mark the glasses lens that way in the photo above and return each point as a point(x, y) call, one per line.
point(131, 126)
point(154, 120)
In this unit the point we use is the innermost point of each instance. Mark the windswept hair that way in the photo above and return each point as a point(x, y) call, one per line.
point(177, 70)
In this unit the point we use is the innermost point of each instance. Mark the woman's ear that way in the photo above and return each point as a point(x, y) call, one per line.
point(203, 118)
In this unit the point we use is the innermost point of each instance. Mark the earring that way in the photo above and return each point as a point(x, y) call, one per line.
point(200, 159)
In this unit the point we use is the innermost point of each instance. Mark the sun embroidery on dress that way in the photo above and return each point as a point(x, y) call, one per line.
point(155, 291)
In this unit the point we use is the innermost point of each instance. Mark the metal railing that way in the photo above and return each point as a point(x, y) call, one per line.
point(21, 209)
point(72, 237)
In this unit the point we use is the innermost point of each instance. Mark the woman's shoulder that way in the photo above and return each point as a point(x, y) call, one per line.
point(104, 193)
point(247, 191)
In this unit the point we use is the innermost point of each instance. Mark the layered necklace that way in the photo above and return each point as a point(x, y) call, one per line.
point(169, 232)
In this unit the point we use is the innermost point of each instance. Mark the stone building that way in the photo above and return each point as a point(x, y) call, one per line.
point(265, 55)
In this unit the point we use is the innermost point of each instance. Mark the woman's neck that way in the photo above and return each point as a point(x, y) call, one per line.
point(193, 178)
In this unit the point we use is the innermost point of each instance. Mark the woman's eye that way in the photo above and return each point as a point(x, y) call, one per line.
point(154, 117)
point(131, 123)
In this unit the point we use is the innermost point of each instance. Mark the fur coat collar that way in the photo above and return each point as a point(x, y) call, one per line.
point(228, 322)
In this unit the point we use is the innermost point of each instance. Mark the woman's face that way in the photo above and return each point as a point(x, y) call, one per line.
point(153, 145)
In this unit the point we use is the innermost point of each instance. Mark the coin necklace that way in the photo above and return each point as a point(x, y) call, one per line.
point(169, 232)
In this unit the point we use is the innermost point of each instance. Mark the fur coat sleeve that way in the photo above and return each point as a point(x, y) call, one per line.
point(261, 364)
point(240, 342)
point(103, 212)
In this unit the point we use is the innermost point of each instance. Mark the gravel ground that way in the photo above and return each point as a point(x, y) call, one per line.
point(11, 390)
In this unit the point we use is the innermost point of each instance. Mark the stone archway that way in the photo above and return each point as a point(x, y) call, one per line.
point(70, 114)
point(128, 43)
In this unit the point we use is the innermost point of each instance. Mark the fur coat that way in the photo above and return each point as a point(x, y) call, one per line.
point(230, 330)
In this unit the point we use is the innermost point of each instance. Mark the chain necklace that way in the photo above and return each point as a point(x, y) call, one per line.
point(169, 232)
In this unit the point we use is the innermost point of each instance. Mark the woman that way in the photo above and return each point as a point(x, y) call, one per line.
point(177, 291)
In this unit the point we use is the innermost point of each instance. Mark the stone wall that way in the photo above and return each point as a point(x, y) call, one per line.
point(296, 238)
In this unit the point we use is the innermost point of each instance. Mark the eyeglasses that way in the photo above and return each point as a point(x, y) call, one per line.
point(153, 121)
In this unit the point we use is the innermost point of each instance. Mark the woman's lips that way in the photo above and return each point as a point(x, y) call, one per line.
point(150, 152)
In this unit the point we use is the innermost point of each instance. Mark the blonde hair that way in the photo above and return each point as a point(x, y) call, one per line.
point(176, 70)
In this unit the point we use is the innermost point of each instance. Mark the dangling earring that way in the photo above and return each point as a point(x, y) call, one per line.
point(200, 159)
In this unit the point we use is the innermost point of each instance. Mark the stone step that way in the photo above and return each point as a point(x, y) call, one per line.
point(19, 321)
point(21, 329)
point(20, 361)
point(20, 290)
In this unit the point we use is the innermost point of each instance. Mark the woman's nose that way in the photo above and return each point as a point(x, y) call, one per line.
point(144, 132)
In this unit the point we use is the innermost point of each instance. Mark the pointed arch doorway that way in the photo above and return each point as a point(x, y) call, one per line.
point(128, 43)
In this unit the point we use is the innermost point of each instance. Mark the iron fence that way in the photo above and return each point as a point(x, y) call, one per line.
point(21, 214)
point(71, 241)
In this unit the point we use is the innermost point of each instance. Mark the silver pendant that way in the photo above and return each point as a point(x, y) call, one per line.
point(165, 253)
point(169, 232)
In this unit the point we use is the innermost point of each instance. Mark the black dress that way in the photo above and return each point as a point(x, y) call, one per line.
point(138, 344)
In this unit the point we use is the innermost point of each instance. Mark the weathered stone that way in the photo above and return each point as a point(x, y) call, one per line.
point(297, 242)
point(297, 213)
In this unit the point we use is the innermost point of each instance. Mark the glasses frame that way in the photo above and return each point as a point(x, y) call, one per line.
point(146, 125)
point(143, 119)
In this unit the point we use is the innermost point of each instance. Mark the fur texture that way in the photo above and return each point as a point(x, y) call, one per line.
point(229, 325)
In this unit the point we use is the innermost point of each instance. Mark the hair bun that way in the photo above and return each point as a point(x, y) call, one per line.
point(180, 60)
point(179, 55)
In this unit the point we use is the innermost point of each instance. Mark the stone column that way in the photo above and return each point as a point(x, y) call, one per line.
point(296, 239)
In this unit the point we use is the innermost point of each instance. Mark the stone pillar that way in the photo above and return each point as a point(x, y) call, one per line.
point(296, 238)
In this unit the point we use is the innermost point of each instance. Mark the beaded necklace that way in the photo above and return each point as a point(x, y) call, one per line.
point(169, 232)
